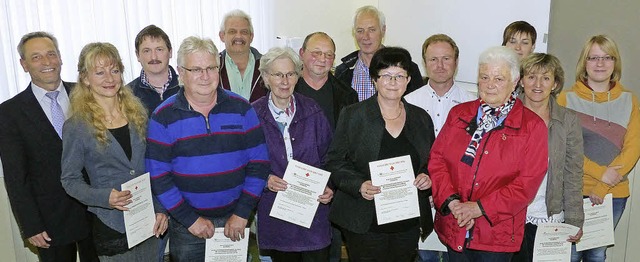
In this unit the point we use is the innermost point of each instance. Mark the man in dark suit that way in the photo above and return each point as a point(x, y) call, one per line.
point(31, 148)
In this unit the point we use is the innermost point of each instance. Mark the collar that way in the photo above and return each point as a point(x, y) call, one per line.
point(584, 92)
point(446, 95)
point(144, 81)
point(40, 92)
point(181, 102)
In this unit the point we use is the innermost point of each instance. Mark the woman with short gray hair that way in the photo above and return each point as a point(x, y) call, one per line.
point(295, 128)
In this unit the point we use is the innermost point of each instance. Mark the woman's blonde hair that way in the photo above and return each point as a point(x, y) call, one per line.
point(84, 105)
point(609, 47)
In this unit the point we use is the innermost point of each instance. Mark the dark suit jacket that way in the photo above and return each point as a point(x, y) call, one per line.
point(356, 142)
point(31, 151)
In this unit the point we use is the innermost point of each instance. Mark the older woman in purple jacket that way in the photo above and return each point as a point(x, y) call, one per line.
point(295, 128)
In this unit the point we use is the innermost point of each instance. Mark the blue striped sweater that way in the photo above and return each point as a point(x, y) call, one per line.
point(211, 168)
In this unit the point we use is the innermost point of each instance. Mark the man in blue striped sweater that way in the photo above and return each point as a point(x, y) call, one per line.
point(206, 153)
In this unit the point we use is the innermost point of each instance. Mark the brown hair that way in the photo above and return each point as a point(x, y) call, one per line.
point(519, 27)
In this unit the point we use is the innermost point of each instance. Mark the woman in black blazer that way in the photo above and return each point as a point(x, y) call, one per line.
point(383, 126)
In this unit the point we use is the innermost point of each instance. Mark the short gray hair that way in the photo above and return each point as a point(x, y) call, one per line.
point(279, 52)
point(369, 9)
point(239, 14)
point(194, 44)
point(32, 35)
point(502, 54)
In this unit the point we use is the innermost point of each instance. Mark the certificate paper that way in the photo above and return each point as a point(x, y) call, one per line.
point(399, 197)
point(598, 224)
point(299, 202)
point(551, 242)
point(221, 249)
point(141, 217)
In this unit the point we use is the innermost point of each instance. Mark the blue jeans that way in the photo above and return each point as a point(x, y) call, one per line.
point(432, 256)
point(184, 246)
point(600, 253)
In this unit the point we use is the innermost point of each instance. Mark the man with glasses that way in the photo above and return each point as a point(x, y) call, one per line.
point(206, 153)
point(368, 29)
point(157, 80)
point(31, 149)
point(318, 53)
point(239, 62)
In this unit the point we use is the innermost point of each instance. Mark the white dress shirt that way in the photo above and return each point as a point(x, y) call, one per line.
point(438, 106)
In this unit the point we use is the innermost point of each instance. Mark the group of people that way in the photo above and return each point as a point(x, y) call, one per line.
point(217, 134)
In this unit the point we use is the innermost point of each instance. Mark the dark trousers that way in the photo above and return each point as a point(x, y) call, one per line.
point(470, 255)
point(526, 249)
point(83, 249)
point(321, 255)
point(383, 247)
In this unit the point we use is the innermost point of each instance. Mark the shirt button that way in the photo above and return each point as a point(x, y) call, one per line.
point(132, 172)
point(293, 139)
point(459, 247)
point(486, 152)
point(476, 184)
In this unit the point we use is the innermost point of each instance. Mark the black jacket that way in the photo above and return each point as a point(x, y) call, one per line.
point(343, 95)
point(149, 97)
point(31, 151)
point(344, 72)
point(356, 142)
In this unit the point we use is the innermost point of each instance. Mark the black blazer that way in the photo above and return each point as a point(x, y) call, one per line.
point(356, 142)
point(31, 152)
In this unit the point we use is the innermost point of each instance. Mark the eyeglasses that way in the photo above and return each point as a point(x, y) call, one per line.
point(316, 54)
point(282, 76)
point(199, 71)
point(397, 78)
point(601, 58)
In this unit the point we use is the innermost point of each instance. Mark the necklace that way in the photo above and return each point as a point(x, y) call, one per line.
point(399, 114)
point(111, 118)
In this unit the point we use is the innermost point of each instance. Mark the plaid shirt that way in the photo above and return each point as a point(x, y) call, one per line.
point(143, 79)
point(361, 81)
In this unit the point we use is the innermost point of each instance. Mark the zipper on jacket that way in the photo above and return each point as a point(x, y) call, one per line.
point(206, 120)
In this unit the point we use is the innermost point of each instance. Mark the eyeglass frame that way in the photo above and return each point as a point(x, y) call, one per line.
point(595, 59)
point(200, 71)
point(387, 78)
point(317, 53)
point(281, 76)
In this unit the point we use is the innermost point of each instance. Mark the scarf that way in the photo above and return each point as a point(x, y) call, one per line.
point(487, 119)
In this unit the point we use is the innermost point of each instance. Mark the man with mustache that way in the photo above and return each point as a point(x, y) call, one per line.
point(157, 80)
point(239, 62)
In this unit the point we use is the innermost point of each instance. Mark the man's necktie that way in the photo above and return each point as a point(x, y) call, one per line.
point(57, 115)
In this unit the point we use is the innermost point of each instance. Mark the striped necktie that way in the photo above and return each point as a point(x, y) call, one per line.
point(57, 115)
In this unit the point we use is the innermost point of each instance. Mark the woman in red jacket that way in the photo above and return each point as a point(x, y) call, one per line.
point(486, 166)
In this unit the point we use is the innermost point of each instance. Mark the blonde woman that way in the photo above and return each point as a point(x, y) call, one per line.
point(106, 137)
point(610, 122)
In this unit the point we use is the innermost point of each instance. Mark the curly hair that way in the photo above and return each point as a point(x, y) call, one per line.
point(83, 103)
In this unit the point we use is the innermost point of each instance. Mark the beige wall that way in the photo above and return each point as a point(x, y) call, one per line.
point(572, 22)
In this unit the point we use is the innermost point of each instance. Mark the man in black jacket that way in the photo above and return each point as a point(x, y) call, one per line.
point(158, 80)
point(31, 149)
point(318, 53)
point(368, 29)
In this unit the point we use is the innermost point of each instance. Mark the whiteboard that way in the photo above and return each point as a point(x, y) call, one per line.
point(473, 25)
